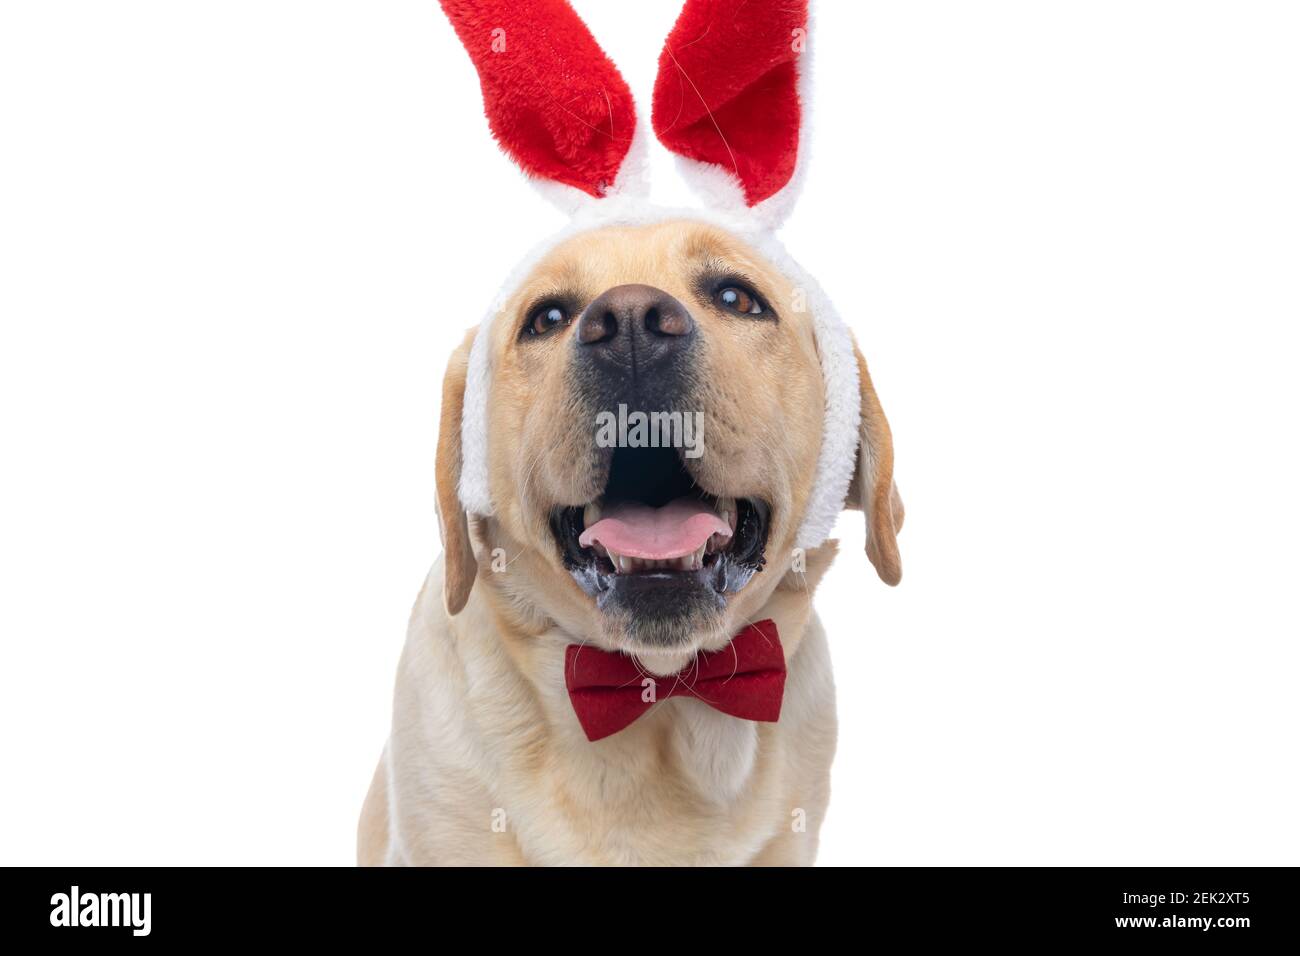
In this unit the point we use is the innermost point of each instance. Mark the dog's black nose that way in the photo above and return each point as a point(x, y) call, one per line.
point(635, 327)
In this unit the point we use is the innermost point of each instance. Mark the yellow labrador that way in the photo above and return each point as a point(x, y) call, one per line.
point(641, 456)
point(486, 762)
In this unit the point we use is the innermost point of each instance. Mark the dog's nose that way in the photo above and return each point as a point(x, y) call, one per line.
point(635, 326)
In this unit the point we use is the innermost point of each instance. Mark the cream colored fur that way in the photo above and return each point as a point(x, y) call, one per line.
point(486, 762)
point(486, 765)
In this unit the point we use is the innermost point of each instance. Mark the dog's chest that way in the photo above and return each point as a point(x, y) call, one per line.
point(684, 785)
point(716, 752)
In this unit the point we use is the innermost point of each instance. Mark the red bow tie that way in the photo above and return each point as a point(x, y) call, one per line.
point(745, 679)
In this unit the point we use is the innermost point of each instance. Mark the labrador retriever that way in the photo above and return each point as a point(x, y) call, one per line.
point(641, 452)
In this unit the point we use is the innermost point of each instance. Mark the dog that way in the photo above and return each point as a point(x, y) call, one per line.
point(566, 551)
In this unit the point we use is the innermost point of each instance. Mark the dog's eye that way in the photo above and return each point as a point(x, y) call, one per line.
point(736, 299)
point(546, 318)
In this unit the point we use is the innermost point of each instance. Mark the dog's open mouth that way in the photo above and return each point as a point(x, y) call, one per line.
point(654, 527)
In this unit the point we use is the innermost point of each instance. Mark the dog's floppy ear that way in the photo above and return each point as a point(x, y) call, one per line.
point(873, 489)
point(460, 567)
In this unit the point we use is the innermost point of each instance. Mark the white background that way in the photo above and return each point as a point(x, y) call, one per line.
point(238, 239)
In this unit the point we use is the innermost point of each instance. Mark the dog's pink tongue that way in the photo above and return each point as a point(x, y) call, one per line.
point(638, 531)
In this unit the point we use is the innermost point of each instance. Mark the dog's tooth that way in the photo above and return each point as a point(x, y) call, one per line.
point(697, 559)
point(590, 514)
point(727, 511)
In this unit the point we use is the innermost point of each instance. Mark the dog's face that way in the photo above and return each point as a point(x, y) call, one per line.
point(654, 423)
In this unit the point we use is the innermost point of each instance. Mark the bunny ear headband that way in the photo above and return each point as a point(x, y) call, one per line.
point(727, 102)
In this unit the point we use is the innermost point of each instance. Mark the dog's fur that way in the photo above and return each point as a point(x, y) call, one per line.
point(486, 762)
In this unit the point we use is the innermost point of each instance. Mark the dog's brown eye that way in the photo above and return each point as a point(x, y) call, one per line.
point(741, 301)
point(545, 319)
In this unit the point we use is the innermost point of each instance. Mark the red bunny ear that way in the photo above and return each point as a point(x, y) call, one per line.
point(553, 99)
point(727, 91)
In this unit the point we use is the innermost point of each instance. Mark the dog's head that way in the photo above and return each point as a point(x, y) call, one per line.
point(665, 414)
point(654, 424)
